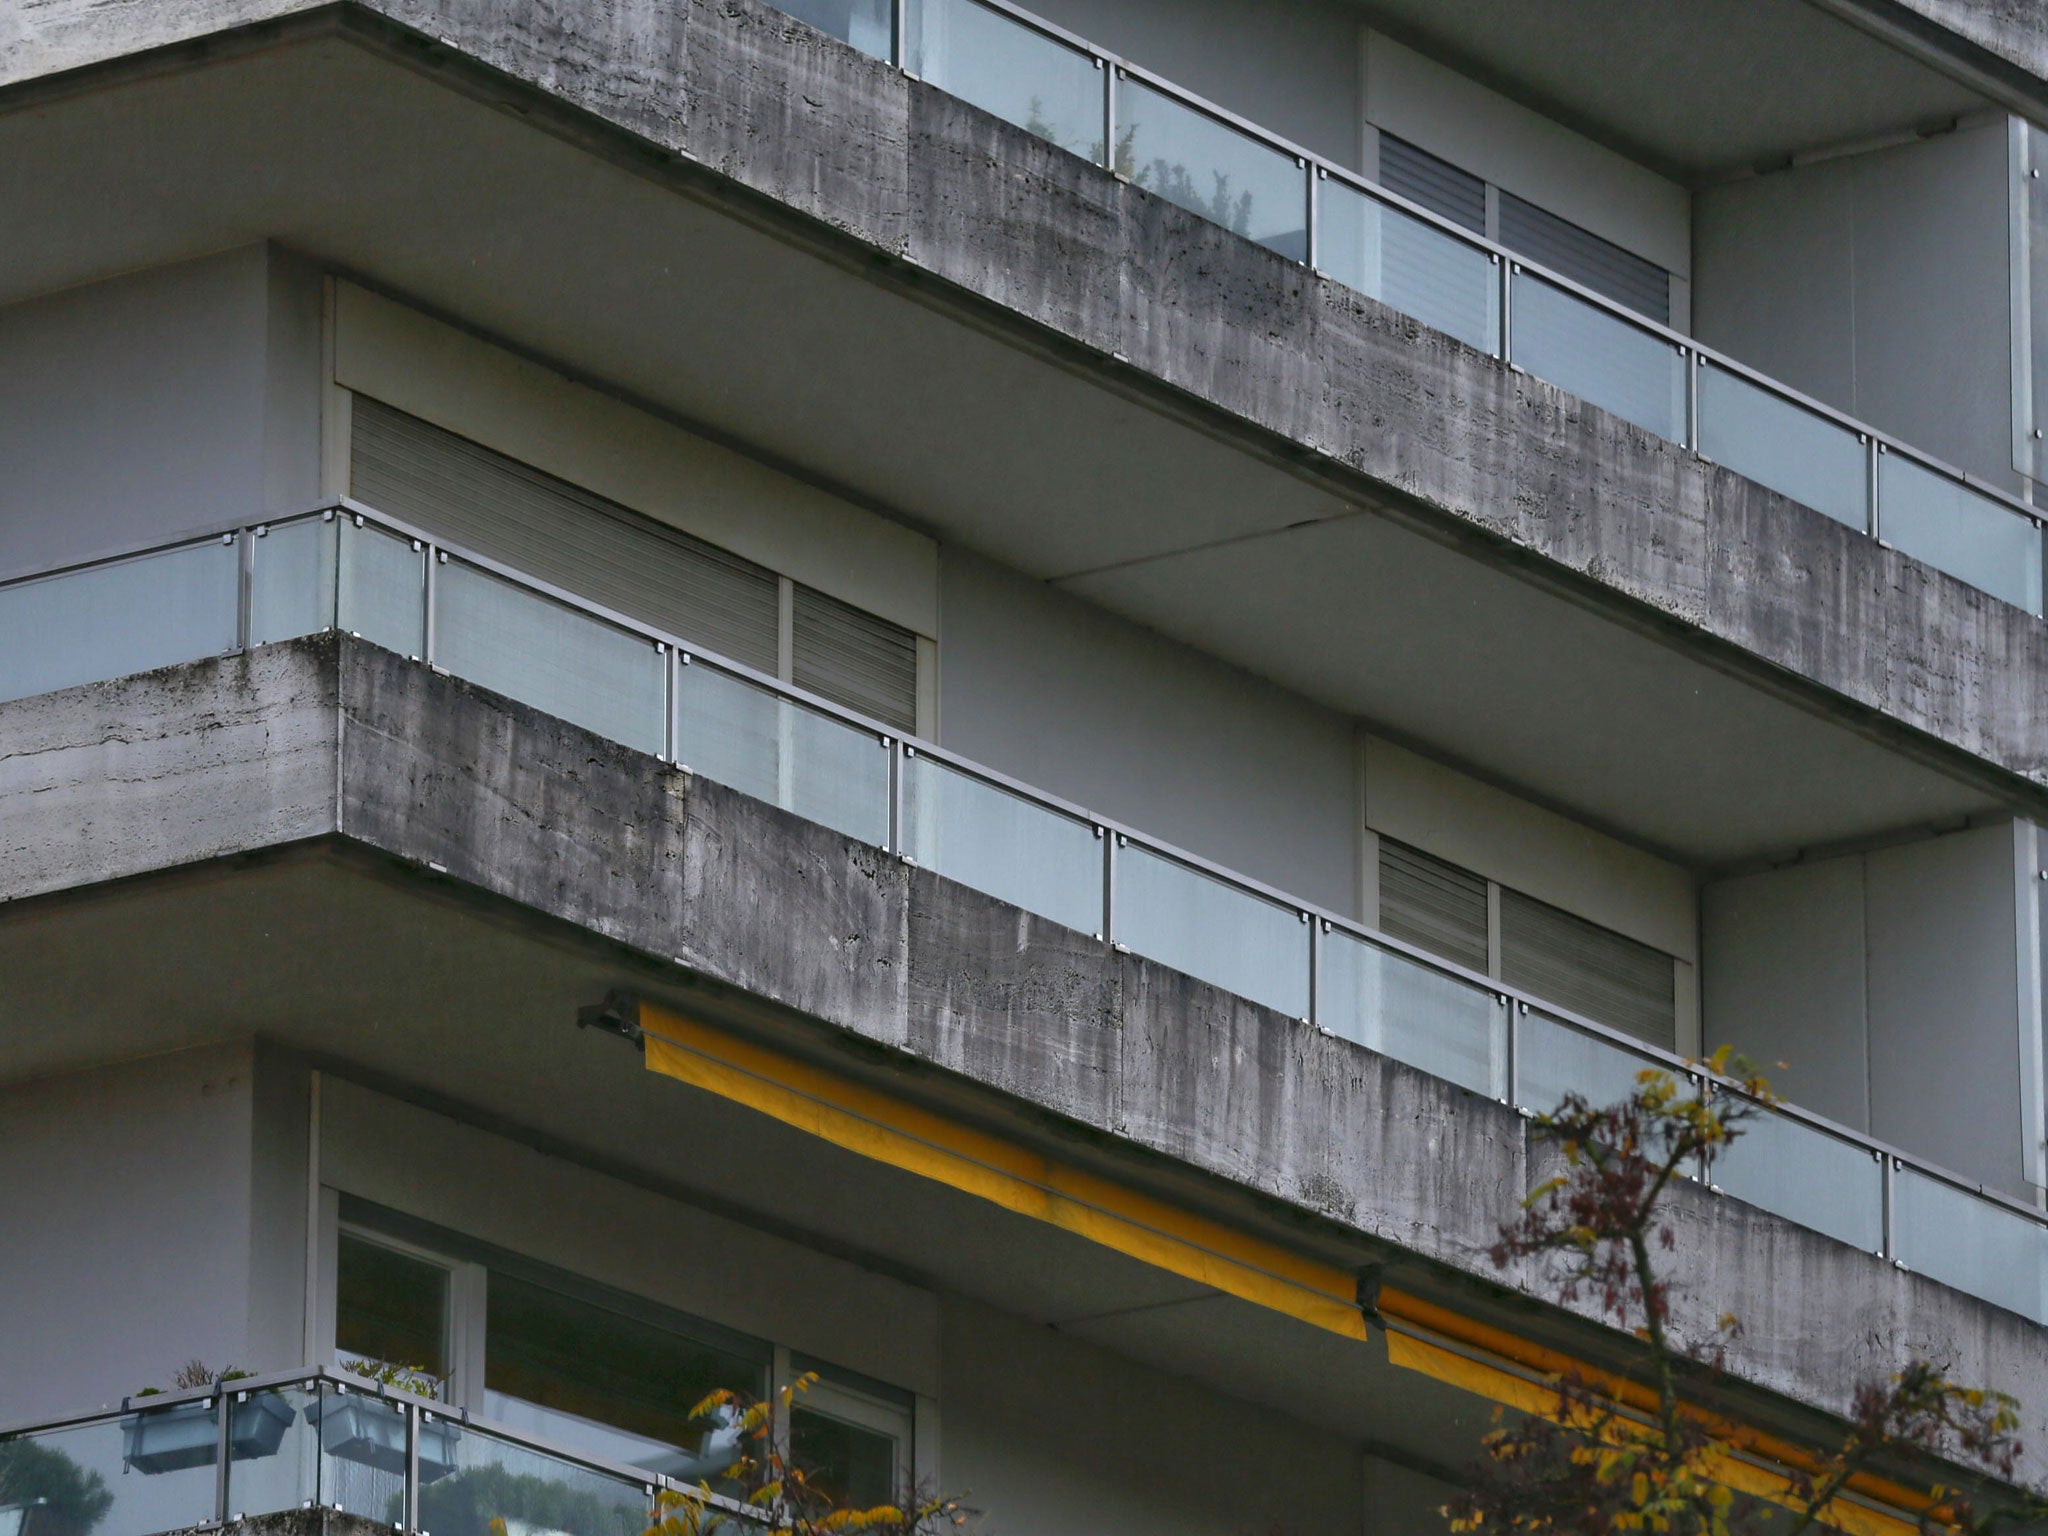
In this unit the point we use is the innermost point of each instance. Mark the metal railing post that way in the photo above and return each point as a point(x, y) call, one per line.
point(1513, 1045)
point(1876, 479)
point(223, 1444)
point(1692, 396)
point(1308, 226)
point(1108, 934)
point(899, 34)
point(669, 700)
point(436, 558)
point(414, 1417)
point(899, 751)
point(245, 587)
point(1890, 1165)
point(1108, 114)
point(1507, 310)
point(1315, 968)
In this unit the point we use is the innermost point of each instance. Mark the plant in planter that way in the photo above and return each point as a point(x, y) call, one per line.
point(187, 1435)
point(365, 1429)
point(43, 1492)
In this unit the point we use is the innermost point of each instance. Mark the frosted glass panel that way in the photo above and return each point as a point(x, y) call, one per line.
point(1004, 67)
point(1228, 937)
point(291, 589)
point(1971, 1244)
point(1413, 1012)
point(762, 745)
point(532, 648)
point(864, 23)
point(113, 620)
point(1954, 529)
point(1598, 356)
point(1018, 851)
point(1409, 264)
point(382, 589)
point(1210, 168)
point(1796, 452)
point(1557, 1059)
point(1807, 1176)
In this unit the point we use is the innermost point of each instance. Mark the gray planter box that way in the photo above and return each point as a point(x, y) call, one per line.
point(175, 1439)
point(371, 1432)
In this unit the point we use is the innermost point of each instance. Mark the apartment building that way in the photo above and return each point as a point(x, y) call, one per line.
point(977, 701)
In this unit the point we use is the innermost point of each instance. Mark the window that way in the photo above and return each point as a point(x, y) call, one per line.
point(495, 506)
point(597, 1380)
point(1552, 954)
point(391, 1308)
point(1521, 226)
point(853, 1440)
point(576, 1364)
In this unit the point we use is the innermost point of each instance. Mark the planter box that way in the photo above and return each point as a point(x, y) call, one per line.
point(371, 1432)
point(175, 1439)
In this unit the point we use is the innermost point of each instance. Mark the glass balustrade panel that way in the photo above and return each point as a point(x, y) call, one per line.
point(1598, 356)
point(1193, 922)
point(135, 1475)
point(996, 841)
point(1972, 1244)
point(1408, 263)
point(273, 1448)
point(1802, 1173)
point(1210, 168)
point(559, 659)
point(1393, 1003)
point(381, 588)
point(488, 1486)
point(1958, 530)
point(363, 1453)
point(1555, 1059)
point(291, 580)
point(867, 24)
point(129, 616)
point(1018, 73)
point(1780, 443)
point(755, 741)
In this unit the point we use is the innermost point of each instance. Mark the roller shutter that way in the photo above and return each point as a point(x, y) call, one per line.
point(854, 658)
point(1433, 905)
point(1436, 184)
point(498, 507)
point(1584, 257)
point(1588, 969)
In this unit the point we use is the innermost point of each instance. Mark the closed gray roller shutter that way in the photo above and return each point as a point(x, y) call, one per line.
point(498, 507)
point(1588, 969)
point(855, 659)
point(1585, 258)
point(1433, 905)
point(1436, 184)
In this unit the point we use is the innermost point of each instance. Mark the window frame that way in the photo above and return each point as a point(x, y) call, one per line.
point(851, 1398)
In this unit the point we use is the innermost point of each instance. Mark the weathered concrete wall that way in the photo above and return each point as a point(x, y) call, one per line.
point(854, 157)
point(1119, 1049)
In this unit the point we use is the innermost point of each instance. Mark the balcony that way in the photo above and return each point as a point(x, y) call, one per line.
point(311, 1440)
point(1307, 208)
point(350, 568)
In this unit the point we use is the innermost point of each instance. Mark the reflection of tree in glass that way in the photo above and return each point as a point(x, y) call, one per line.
point(1172, 182)
point(71, 1499)
point(488, 1500)
point(1035, 121)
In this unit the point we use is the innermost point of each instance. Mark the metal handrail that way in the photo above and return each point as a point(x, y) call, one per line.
point(1317, 920)
point(1318, 167)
